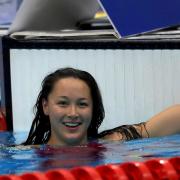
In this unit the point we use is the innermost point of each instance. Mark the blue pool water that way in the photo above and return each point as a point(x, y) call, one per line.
point(20, 159)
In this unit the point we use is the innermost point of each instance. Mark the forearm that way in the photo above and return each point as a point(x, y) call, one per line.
point(165, 123)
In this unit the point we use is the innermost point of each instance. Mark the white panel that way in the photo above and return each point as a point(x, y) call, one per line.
point(139, 83)
point(135, 84)
point(147, 84)
point(175, 57)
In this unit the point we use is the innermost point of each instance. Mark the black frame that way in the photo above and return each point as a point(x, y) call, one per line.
point(9, 43)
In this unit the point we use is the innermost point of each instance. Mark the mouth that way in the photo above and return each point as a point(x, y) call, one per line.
point(72, 124)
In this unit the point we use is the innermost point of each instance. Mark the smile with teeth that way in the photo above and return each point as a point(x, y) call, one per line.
point(72, 124)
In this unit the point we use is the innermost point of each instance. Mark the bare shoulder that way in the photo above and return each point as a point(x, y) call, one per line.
point(123, 133)
point(114, 136)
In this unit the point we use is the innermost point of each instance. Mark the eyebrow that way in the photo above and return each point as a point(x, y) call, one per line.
point(65, 97)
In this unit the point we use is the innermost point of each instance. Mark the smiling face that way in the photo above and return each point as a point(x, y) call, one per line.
point(69, 107)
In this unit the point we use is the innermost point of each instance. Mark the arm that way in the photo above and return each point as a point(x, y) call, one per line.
point(165, 123)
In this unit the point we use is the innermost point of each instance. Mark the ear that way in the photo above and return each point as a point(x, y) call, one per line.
point(45, 107)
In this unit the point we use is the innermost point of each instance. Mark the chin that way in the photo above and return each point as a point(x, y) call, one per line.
point(74, 141)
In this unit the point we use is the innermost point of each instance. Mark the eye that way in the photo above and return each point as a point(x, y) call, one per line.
point(63, 103)
point(83, 104)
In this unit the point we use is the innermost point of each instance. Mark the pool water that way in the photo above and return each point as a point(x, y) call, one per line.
point(21, 159)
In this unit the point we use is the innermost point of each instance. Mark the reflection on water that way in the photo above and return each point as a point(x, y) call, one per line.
point(20, 159)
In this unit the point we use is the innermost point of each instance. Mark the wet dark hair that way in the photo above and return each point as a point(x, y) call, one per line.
point(40, 131)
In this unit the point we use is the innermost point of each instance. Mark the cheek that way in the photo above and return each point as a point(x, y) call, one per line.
point(88, 115)
point(56, 113)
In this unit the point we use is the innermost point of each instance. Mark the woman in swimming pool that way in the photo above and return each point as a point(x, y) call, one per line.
point(69, 111)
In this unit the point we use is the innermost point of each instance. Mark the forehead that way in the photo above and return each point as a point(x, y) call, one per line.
point(71, 84)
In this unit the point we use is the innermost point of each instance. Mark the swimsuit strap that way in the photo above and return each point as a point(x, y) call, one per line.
point(127, 132)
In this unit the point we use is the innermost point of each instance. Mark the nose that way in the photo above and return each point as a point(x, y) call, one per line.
point(72, 113)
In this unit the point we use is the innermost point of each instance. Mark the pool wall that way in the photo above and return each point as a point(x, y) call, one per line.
point(137, 79)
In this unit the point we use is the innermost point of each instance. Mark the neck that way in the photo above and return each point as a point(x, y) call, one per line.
point(72, 142)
